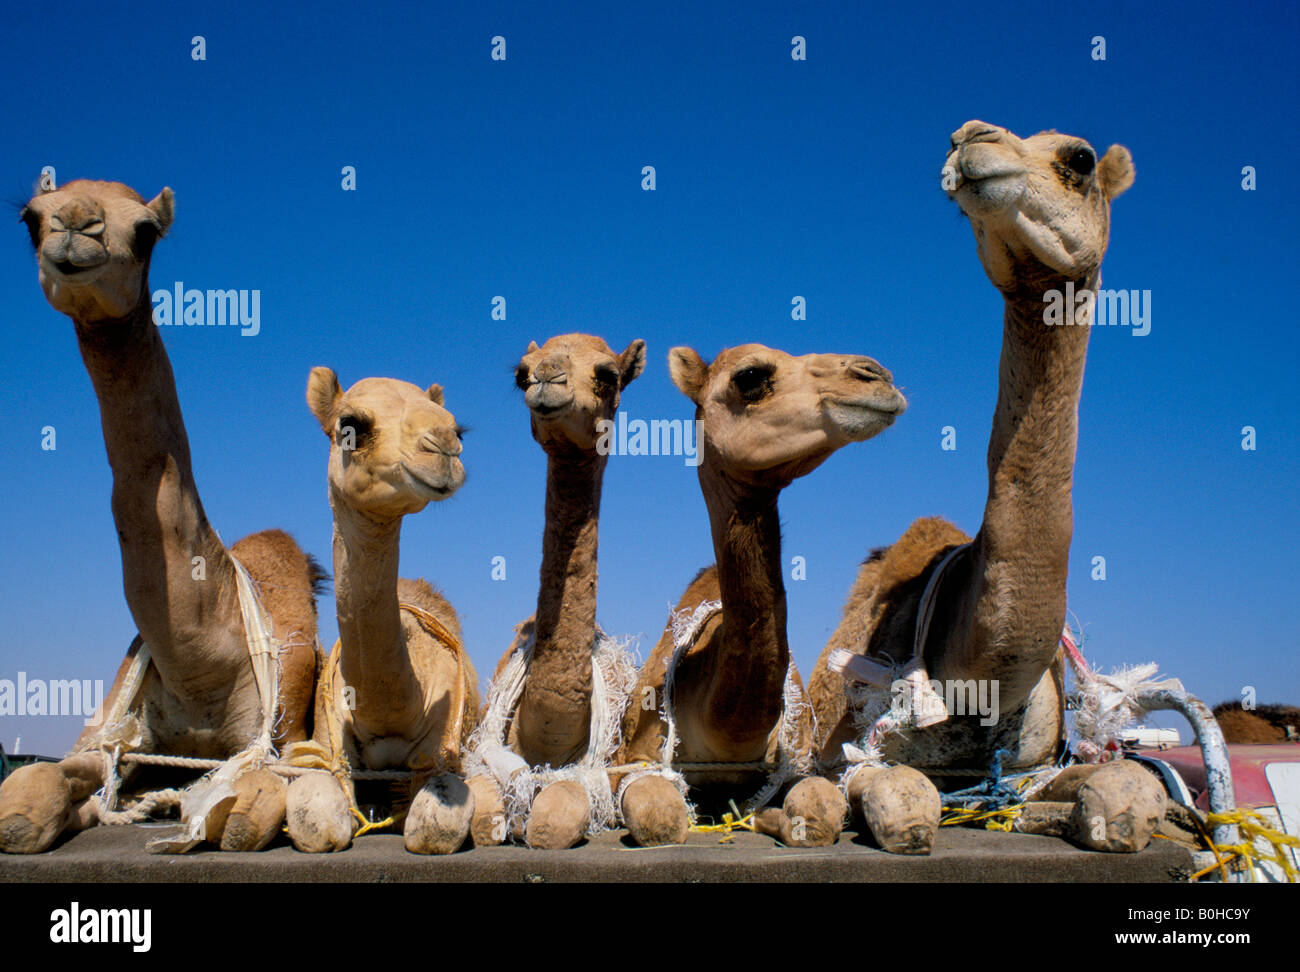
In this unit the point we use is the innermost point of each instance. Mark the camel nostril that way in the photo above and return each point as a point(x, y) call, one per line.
point(429, 442)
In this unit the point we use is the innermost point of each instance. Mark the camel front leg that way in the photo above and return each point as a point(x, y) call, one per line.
point(257, 812)
point(39, 801)
point(1112, 807)
point(655, 812)
point(488, 826)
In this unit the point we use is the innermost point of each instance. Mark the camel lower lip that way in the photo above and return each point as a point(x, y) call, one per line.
point(420, 481)
point(69, 269)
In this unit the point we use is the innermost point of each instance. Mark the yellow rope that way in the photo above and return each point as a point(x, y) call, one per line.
point(730, 824)
point(1253, 827)
point(1003, 819)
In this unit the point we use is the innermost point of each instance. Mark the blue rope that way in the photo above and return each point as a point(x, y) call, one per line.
point(994, 793)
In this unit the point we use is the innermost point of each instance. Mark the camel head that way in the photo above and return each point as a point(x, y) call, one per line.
point(93, 242)
point(393, 447)
point(1040, 206)
point(570, 384)
point(769, 417)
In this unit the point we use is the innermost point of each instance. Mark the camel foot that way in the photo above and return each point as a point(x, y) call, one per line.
point(255, 817)
point(654, 812)
point(559, 818)
point(488, 827)
point(440, 815)
point(1118, 808)
point(317, 812)
point(35, 801)
point(899, 806)
point(814, 813)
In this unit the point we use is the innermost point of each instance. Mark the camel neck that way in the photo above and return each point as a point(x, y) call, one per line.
point(554, 715)
point(374, 660)
point(1023, 546)
point(747, 674)
point(161, 526)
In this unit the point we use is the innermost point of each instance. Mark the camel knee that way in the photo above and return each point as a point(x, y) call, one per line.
point(899, 806)
point(559, 817)
point(814, 813)
point(35, 801)
point(439, 818)
point(488, 826)
point(1118, 807)
point(258, 811)
point(318, 814)
point(655, 812)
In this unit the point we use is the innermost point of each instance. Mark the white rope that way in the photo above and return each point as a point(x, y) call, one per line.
point(878, 710)
point(613, 676)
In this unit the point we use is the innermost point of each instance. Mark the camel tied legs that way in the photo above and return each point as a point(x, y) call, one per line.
point(723, 705)
point(198, 694)
point(398, 692)
point(557, 698)
point(1040, 211)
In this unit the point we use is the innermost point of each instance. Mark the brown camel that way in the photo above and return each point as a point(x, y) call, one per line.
point(562, 676)
point(198, 694)
point(765, 418)
point(1040, 210)
point(399, 691)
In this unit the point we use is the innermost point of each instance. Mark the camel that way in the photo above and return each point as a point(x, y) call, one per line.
point(189, 685)
point(1040, 211)
point(557, 695)
point(766, 418)
point(399, 691)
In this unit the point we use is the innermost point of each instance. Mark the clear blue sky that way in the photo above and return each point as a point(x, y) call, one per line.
point(776, 178)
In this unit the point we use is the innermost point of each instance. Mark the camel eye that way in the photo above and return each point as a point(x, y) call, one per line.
point(606, 377)
point(146, 235)
point(1083, 161)
point(33, 222)
point(753, 383)
point(354, 430)
point(521, 377)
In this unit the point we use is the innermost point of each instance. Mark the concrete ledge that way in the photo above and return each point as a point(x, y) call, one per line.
point(118, 855)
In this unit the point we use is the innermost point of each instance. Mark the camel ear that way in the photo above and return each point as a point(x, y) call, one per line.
point(1115, 171)
point(163, 207)
point(689, 372)
point(435, 394)
point(631, 362)
point(323, 394)
point(532, 346)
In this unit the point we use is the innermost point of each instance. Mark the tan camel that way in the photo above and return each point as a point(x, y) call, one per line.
point(1040, 210)
point(765, 418)
point(399, 691)
point(199, 694)
point(571, 385)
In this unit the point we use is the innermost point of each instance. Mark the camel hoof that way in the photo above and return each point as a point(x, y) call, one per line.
point(34, 804)
point(258, 811)
point(488, 827)
point(439, 819)
point(814, 813)
point(317, 812)
point(559, 818)
point(901, 809)
point(1118, 808)
point(655, 813)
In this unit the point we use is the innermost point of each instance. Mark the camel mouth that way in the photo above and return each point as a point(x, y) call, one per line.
point(544, 411)
point(69, 270)
point(892, 409)
point(423, 485)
